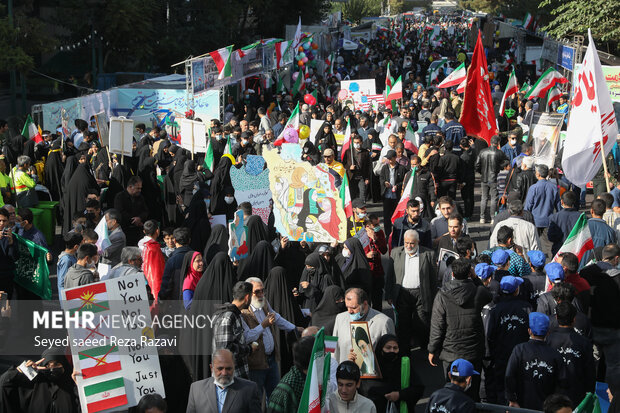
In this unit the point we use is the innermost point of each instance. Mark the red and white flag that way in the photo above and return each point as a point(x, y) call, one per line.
point(32, 131)
point(401, 208)
point(579, 241)
point(461, 88)
point(554, 95)
point(458, 76)
point(478, 116)
point(591, 122)
point(511, 88)
point(546, 81)
point(281, 48)
point(221, 57)
point(346, 143)
point(396, 92)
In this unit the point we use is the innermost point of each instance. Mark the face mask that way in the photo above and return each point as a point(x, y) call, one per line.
point(56, 372)
point(218, 137)
point(346, 253)
point(244, 142)
point(357, 145)
point(513, 141)
point(207, 202)
point(361, 215)
point(356, 316)
point(311, 271)
point(376, 229)
point(390, 357)
point(229, 199)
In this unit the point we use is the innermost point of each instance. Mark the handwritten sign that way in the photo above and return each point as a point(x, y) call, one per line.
point(114, 351)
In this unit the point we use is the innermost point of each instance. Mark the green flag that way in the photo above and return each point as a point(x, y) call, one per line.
point(300, 83)
point(31, 271)
point(208, 162)
point(589, 404)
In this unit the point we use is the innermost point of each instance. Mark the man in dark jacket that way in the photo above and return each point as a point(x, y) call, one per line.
point(576, 351)
point(507, 327)
point(358, 166)
point(468, 177)
point(423, 187)
point(562, 222)
point(412, 220)
point(534, 369)
point(452, 397)
point(487, 164)
point(9, 253)
point(526, 178)
point(391, 180)
point(449, 171)
point(456, 322)
point(134, 210)
point(172, 278)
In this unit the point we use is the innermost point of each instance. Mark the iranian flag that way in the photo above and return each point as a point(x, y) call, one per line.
point(579, 241)
point(396, 92)
point(389, 80)
point(346, 143)
point(209, 160)
point(511, 88)
point(99, 360)
point(91, 297)
point(547, 80)
point(461, 88)
point(32, 131)
point(525, 87)
point(345, 196)
point(407, 193)
point(103, 241)
point(554, 95)
point(458, 76)
point(297, 38)
point(299, 84)
point(317, 377)
point(528, 21)
point(281, 48)
point(331, 343)
point(222, 61)
point(228, 148)
point(410, 139)
point(105, 395)
point(293, 122)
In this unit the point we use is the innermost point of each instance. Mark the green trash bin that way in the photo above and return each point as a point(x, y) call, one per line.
point(38, 219)
point(47, 219)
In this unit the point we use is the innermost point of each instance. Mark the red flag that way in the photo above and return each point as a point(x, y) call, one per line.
point(478, 117)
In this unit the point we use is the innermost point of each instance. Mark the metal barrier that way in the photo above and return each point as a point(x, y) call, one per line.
point(487, 407)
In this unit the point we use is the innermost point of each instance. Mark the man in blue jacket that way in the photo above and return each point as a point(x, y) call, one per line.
point(452, 397)
point(562, 222)
point(542, 199)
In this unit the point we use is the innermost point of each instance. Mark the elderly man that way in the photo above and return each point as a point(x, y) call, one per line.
point(259, 325)
point(223, 389)
point(111, 256)
point(411, 284)
point(131, 263)
point(133, 209)
point(358, 309)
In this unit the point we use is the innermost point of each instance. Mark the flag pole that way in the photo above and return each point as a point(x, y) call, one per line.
point(604, 157)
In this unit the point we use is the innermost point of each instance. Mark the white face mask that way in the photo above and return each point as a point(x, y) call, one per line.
point(513, 141)
point(229, 199)
point(357, 145)
point(346, 253)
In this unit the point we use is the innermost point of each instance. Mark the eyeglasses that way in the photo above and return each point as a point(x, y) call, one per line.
point(348, 368)
point(259, 292)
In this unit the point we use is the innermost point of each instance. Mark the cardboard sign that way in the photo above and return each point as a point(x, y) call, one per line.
point(121, 136)
point(116, 355)
point(193, 135)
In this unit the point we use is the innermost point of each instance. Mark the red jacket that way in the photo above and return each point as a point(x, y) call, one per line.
point(153, 263)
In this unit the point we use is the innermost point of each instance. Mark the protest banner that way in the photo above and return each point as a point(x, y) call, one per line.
point(315, 127)
point(117, 360)
point(238, 235)
point(121, 135)
point(251, 183)
point(193, 135)
point(306, 202)
point(198, 76)
point(544, 134)
point(612, 78)
point(31, 270)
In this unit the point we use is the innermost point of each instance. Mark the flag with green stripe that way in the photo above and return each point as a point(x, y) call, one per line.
point(99, 360)
point(105, 395)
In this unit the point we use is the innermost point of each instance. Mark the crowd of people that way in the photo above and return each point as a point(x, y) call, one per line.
point(507, 324)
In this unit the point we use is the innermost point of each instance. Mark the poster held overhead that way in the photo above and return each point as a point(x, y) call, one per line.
point(193, 135)
point(103, 129)
point(121, 135)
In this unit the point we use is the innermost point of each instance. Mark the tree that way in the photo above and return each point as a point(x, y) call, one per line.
point(355, 10)
point(574, 17)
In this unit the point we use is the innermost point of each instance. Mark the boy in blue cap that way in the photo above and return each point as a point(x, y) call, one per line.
point(535, 283)
point(501, 259)
point(452, 397)
point(534, 369)
point(507, 327)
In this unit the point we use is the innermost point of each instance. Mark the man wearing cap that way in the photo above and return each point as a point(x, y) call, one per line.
point(506, 327)
point(452, 397)
point(456, 324)
point(347, 398)
point(525, 234)
point(501, 259)
point(535, 283)
point(534, 369)
point(562, 222)
point(391, 179)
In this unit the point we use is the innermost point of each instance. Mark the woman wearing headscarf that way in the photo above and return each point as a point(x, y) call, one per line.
point(70, 165)
point(163, 157)
point(53, 171)
point(291, 256)
point(118, 181)
point(230, 204)
point(331, 304)
point(325, 138)
point(258, 263)
point(257, 232)
point(315, 278)
point(190, 177)
point(179, 165)
point(197, 220)
point(390, 386)
point(281, 299)
point(193, 268)
point(374, 146)
point(354, 265)
point(310, 153)
point(74, 200)
point(51, 391)
point(217, 242)
point(220, 181)
point(150, 187)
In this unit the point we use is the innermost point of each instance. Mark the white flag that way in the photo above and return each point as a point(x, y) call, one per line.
point(591, 121)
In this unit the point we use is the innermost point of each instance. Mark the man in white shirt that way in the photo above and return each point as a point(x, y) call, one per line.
point(525, 233)
point(259, 325)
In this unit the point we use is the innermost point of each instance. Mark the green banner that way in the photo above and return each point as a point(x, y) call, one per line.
point(31, 271)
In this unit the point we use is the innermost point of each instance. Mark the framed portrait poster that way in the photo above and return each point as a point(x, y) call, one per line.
point(363, 348)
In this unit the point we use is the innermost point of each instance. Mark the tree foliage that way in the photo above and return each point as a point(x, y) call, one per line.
point(355, 10)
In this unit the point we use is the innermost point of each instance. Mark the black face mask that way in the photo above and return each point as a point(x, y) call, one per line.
point(390, 357)
point(311, 272)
